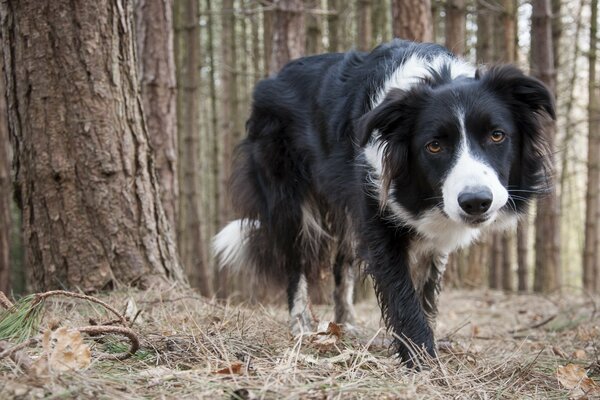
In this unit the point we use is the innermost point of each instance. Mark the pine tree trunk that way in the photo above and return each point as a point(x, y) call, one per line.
point(591, 255)
point(412, 20)
point(522, 256)
point(289, 35)
point(547, 260)
point(363, 22)
point(156, 72)
point(190, 227)
point(314, 32)
point(333, 25)
point(85, 178)
point(5, 190)
point(456, 18)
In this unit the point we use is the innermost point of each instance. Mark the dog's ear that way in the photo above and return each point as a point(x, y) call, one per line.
point(529, 100)
point(396, 111)
point(510, 81)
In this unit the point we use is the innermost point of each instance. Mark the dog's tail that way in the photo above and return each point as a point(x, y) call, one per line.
point(231, 246)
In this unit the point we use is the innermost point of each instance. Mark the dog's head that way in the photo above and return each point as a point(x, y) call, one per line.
point(470, 147)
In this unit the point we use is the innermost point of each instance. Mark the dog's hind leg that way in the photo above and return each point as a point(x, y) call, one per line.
point(299, 304)
point(343, 294)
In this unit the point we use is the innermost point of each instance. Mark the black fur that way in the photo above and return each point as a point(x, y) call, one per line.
point(306, 136)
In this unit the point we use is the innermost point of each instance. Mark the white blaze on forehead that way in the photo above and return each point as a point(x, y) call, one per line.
point(416, 68)
point(470, 172)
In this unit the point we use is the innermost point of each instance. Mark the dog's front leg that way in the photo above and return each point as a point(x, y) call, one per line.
point(400, 304)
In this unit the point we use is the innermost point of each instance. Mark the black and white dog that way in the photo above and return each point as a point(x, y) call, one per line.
point(394, 158)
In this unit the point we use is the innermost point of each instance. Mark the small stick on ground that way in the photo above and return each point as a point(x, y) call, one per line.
point(42, 296)
point(15, 353)
point(5, 302)
point(119, 330)
point(539, 324)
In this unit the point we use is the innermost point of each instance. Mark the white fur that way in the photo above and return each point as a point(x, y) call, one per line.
point(442, 234)
point(300, 315)
point(416, 68)
point(229, 245)
point(312, 226)
point(469, 172)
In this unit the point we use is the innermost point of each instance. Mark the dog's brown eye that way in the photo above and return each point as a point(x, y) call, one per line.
point(434, 147)
point(498, 136)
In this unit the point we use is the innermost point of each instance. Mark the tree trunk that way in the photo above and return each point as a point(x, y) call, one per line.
point(156, 72)
point(381, 25)
point(363, 21)
point(522, 255)
point(85, 178)
point(591, 262)
point(288, 33)
point(507, 273)
point(188, 63)
point(314, 32)
point(5, 190)
point(456, 18)
point(412, 20)
point(333, 25)
point(547, 259)
point(484, 48)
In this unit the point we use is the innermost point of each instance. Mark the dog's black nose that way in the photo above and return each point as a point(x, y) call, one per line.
point(475, 201)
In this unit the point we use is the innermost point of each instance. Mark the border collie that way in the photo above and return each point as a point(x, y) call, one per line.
point(393, 158)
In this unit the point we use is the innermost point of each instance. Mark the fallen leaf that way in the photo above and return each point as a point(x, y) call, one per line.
point(64, 350)
point(579, 354)
point(235, 368)
point(475, 331)
point(327, 335)
point(574, 378)
point(132, 310)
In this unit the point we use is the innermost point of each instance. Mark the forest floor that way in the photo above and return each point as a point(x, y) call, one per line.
point(492, 345)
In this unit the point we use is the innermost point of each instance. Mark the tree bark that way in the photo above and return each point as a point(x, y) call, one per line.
point(591, 262)
point(85, 177)
point(314, 33)
point(188, 65)
point(484, 48)
point(289, 35)
point(547, 261)
point(333, 25)
point(456, 19)
point(156, 72)
point(412, 20)
point(522, 256)
point(363, 22)
point(5, 190)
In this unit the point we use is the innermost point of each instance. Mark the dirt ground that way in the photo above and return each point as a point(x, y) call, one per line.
point(492, 346)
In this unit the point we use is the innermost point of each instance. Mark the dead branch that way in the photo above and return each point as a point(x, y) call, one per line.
point(95, 330)
point(21, 359)
point(4, 301)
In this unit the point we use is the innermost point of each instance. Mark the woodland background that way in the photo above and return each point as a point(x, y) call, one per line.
point(183, 71)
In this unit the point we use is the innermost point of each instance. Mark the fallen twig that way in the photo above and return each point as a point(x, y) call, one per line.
point(21, 359)
point(119, 330)
point(5, 302)
point(539, 324)
point(43, 296)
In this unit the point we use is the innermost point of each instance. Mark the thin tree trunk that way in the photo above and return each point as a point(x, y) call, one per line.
point(484, 48)
point(314, 33)
point(591, 262)
point(456, 18)
point(156, 71)
point(85, 178)
point(364, 15)
point(214, 117)
point(522, 255)
point(547, 260)
point(5, 190)
point(289, 35)
point(333, 25)
point(190, 227)
point(380, 25)
point(412, 20)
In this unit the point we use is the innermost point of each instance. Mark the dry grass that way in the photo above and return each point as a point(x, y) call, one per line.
point(487, 351)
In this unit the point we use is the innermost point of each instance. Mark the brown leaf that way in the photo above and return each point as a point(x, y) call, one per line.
point(574, 378)
point(235, 368)
point(334, 329)
point(64, 350)
point(579, 354)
